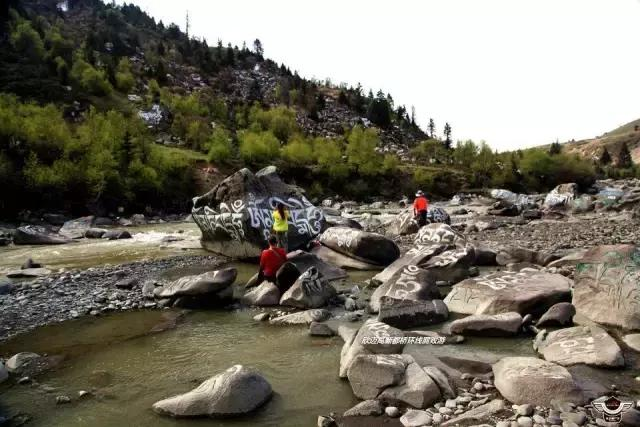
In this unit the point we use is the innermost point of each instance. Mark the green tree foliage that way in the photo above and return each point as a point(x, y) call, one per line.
point(555, 148)
point(298, 151)
point(26, 40)
point(89, 79)
point(379, 111)
point(280, 120)
point(429, 151)
point(605, 157)
point(258, 148)
point(624, 157)
point(483, 165)
point(361, 151)
point(124, 78)
point(220, 147)
point(447, 136)
point(329, 154)
point(464, 153)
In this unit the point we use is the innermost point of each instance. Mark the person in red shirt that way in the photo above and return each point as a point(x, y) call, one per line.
point(420, 208)
point(271, 260)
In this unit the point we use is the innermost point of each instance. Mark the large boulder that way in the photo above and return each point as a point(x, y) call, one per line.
point(438, 233)
point(451, 265)
point(418, 390)
point(590, 345)
point(500, 325)
point(607, 286)
point(210, 288)
point(521, 200)
point(37, 235)
point(369, 374)
point(417, 255)
point(560, 314)
point(504, 208)
point(76, 228)
point(235, 392)
point(338, 259)
point(531, 380)
point(371, 248)
point(20, 362)
point(525, 292)
point(302, 317)
point(405, 314)
point(561, 196)
point(235, 216)
point(263, 295)
point(409, 283)
point(404, 223)
point(310, 290)
point(513, 254)
point(305, 260)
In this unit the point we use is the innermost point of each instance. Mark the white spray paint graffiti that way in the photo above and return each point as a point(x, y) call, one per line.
point(344, 238)
point(406, 283)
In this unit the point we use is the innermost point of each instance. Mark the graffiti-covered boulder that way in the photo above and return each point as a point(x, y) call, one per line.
point(417, 255)
point(607, 286)
point(311, 290)
point(371, 248)
point(561, 196)
point(590, 345)
point(235, 217)
point(405, 223)
point(409, 283)
point(340, 260)
point(438, 233)
point(203, 290)
point(525, 292)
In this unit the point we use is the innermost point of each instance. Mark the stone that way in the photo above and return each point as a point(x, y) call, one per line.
point(417, 256)
point(95, 233)
point(501, 292)
point(310, 290)
point(28, 273)
point(371, 248)
point(404, 314)
point(338, 220)
point(403, 224)
point(20, 361)
point(262, 317)
point(531, 380)
point(418, 391)
point(264, 295)
point(576, 418)
point(340, 260)
point(286, 276)
point(30, 263)
point(392, 411)
point(633, 341)
point(607, 287)
point(305, 260)
point(561, 196)
point(525, 422)
point(302, 317)
point(590, 345)
point(207, 283)
point(438, 233)
point(61, 400)
point(475, 416)
point(127, 283)
point(237, 391)
point(514, 254)
point(504, 208)
point(525, 410)
point(318, 329)
point(37, 235)
point(443, 381)
point(76, 228)
point(116, 235)
point(495, 325)
point(55, 219)
point(369, 374)
point(408, 283)
point(235, 216)
point(451, 265)
point(366, 408)
point(372, 338)
point(415, 418)
point(560, 314)
point(4, 373)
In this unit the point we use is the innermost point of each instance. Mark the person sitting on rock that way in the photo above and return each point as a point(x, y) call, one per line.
point(420, 208)
point(281, 225)
point(271, 260)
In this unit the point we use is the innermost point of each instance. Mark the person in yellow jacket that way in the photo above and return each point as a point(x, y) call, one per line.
point(281, 225)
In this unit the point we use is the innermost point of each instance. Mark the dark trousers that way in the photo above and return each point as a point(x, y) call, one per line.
point(422, 218)
point(263, 278)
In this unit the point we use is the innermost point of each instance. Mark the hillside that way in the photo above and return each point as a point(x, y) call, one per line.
point(613, 141)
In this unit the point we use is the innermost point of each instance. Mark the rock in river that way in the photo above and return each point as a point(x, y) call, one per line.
point(607, 286)
point(18, 362)
point(302, 317)
point(265, 294)
point(202, 290)
point(410, 283)
point(502, 292)
point(310, 290)
point(590, 345)
point(404, 314)
point(235, 216)
point(531, 380)
point(369, 374)
point(491, 325)
point(37, 235)
point(438, 233)
point(76, 228)
point(417, 255)
point(560, 314)
point(371, 248)
point(418, 391)
point(4, 374)
point(237, 391)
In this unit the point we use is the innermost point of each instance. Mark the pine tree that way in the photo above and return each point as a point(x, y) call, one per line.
point(257, 47)
point(447, 136)
point(555, 148)
point(605, 157)
point(230, 55)
point(432, 129)
point(624, 157)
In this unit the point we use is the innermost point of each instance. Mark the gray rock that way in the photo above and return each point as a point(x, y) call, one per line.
point(440, 378)
point(504, 324)
point(633, 341)
point(36, 235)
point(418, 391)
point(305, 260)
point(264, 295)
point(524, 410)
point(531, 380)
point(18, 362)
point(317, 329)
point(415, 418)
point(504, 292)
point(560, 314)
point(417, 256)
point(590, 345)
point(371, 248)
point(95, 233)
point(525, 422)
point(324, 421)
point(438, 233)
point(369, 374)
point(127, 283)
point(117, 235)
point(404, 314)
point(366, 408)
point(76, 228)
point(207, 283)
point(235, 392)
point(61, 400)
point(28, 273)
point(4, 373)
point(302, 318)
point(341, 260)
point(262, 317)
point(392, 411)
point(310, 290)
point(482, 413)
point(408, 283)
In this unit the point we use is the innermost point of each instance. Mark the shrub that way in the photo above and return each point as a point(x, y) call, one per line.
point(220, 149)
point(124, 78)
point(258, 147)
point(361, 152)
point(89, 79)
point(298, 152)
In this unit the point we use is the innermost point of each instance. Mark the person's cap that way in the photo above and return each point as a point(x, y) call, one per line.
point(419, 193)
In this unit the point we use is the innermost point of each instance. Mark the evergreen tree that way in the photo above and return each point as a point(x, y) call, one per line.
point(624, 157)
point(447, 136)
point(432, 129)
point(257, 47)
point(555, 148)
point(605, 157)
point(230, 56)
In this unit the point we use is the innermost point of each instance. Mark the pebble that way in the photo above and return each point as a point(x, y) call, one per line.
point(261, 317)
point(392, 411)
point(445, 411)
point(62, 399)
point(525, 422)
point(478, 386)
point(526, 410)
point(24, 380)
point(437, 419)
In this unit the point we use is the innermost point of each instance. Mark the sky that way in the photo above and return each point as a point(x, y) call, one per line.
point(515, 73)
